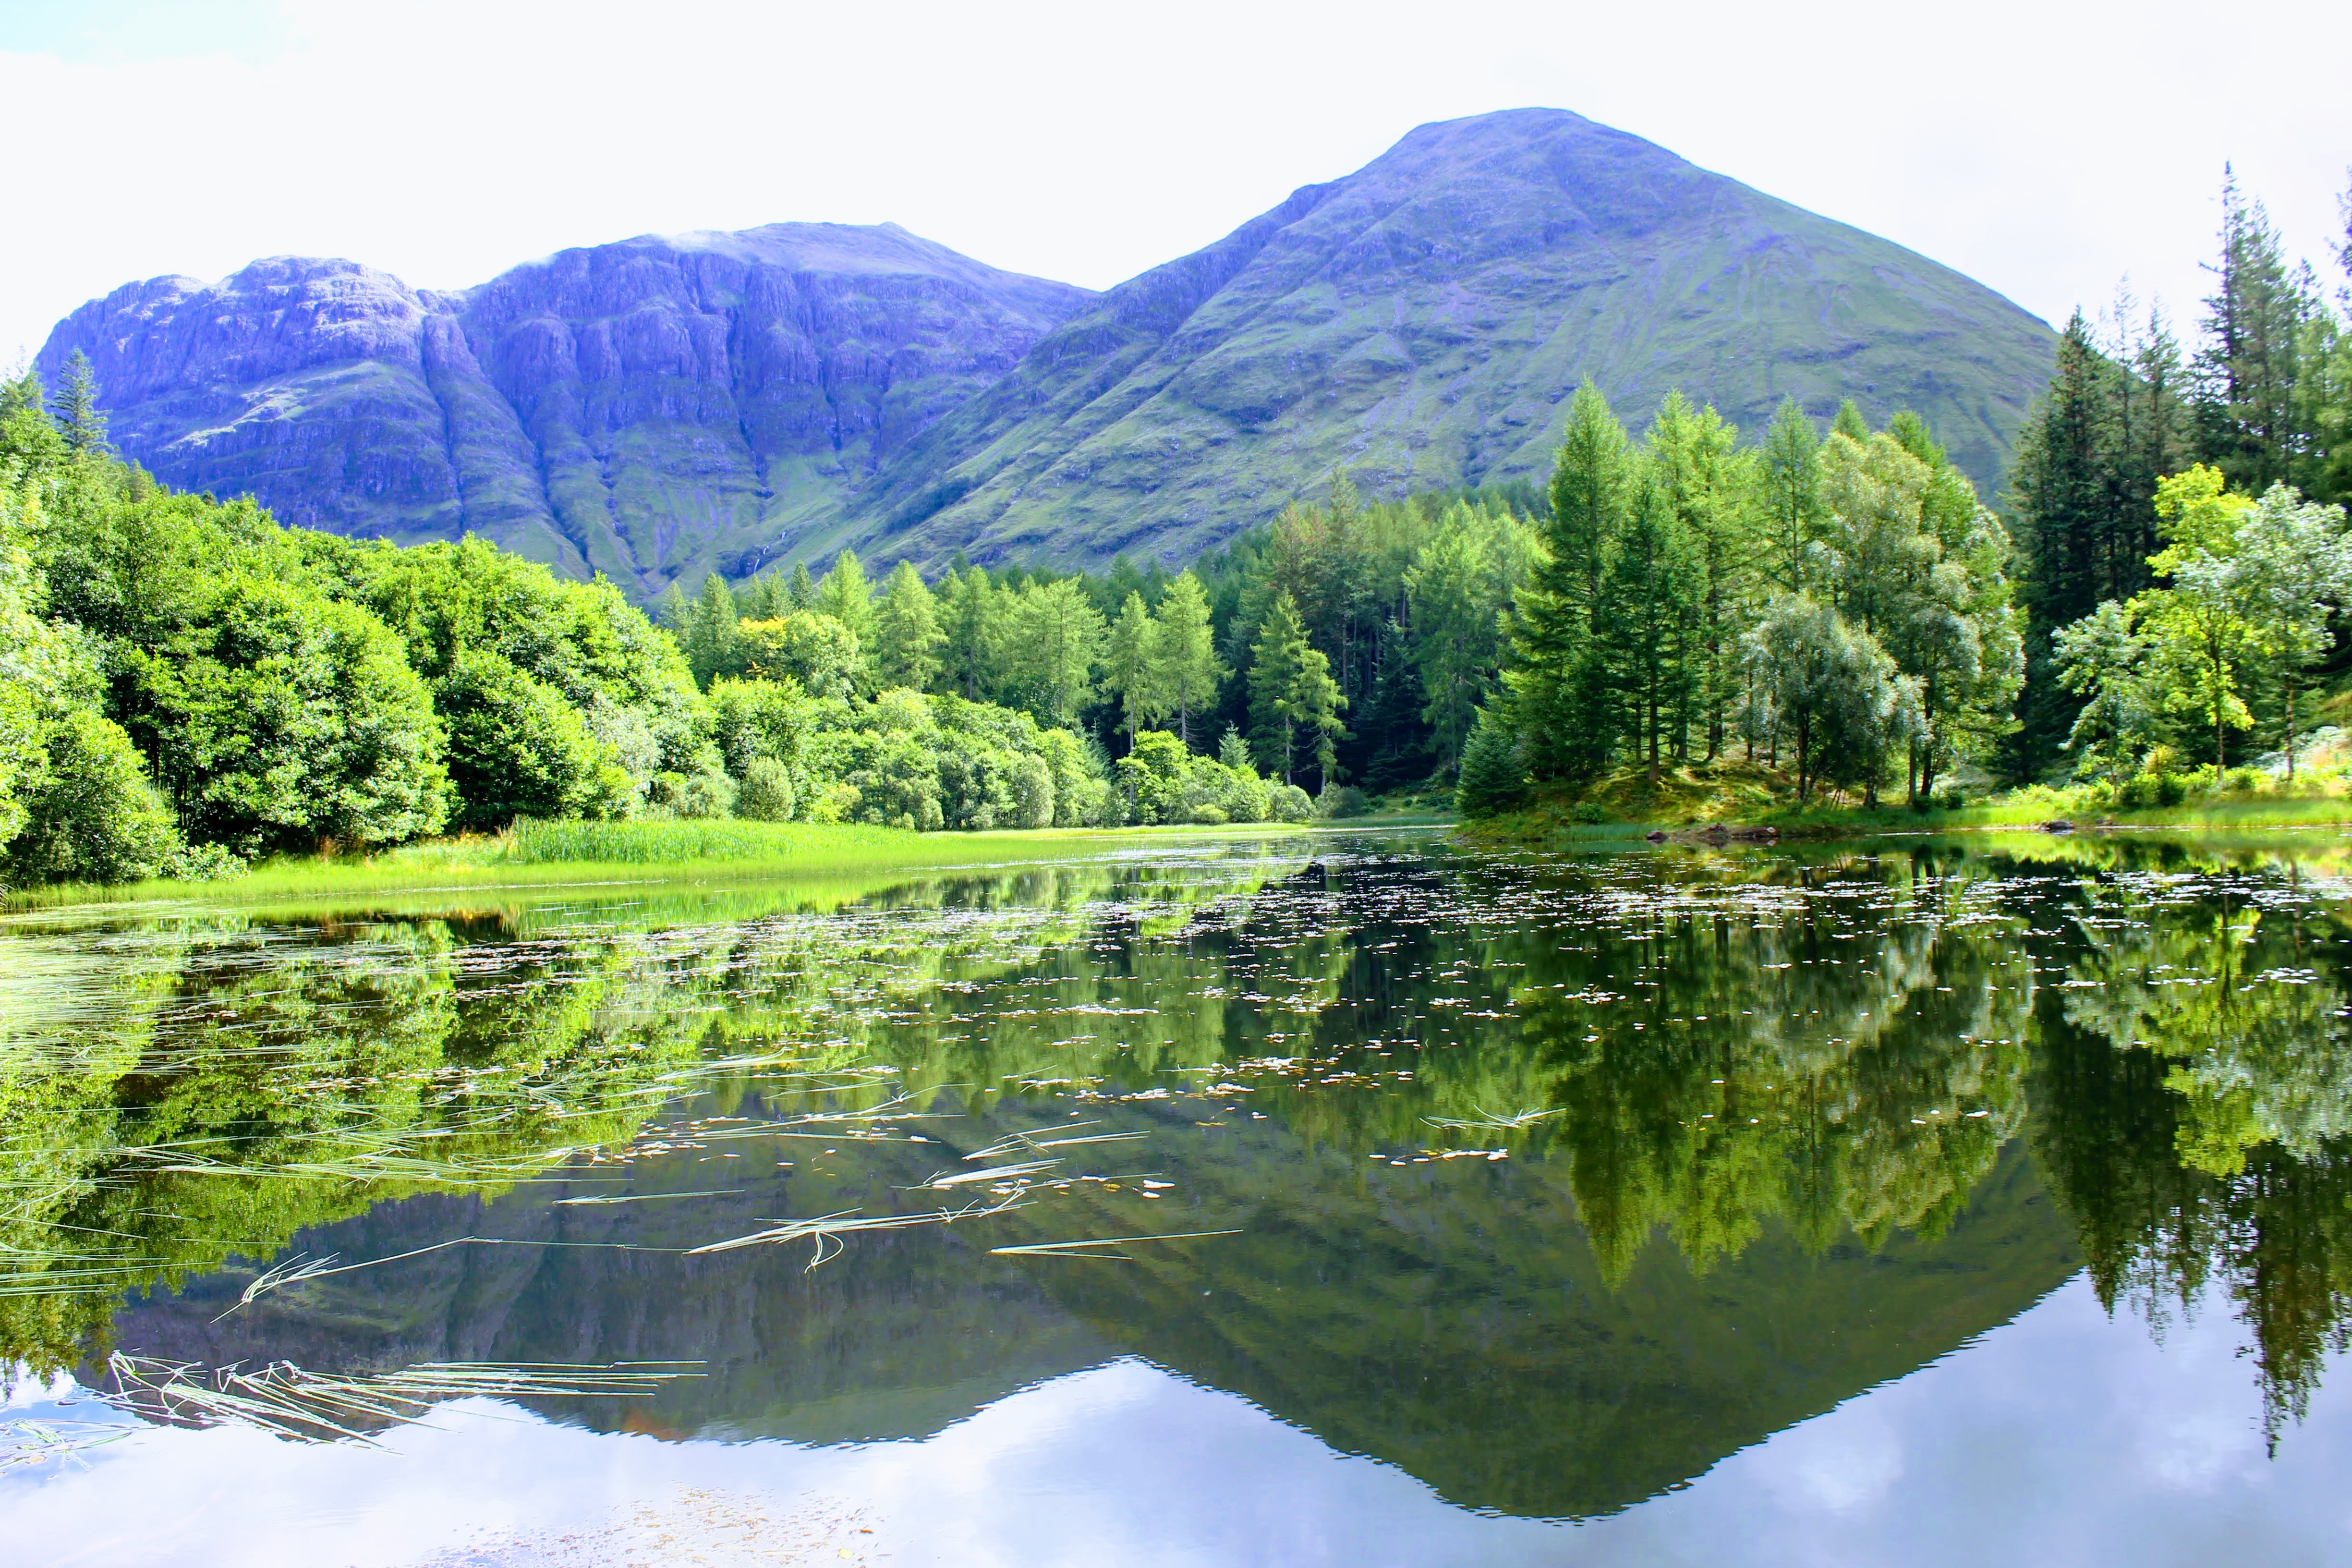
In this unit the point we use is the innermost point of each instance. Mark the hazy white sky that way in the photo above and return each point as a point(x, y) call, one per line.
point(2047, 148)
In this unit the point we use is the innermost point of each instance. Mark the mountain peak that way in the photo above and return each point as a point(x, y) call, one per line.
point(1422, 323)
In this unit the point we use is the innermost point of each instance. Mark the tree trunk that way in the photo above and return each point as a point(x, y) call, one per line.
point(2290, 731)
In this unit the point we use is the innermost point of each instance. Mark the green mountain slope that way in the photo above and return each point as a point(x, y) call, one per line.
point(1420, 323)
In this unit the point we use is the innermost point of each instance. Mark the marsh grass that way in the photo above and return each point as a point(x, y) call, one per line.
point(827, 1230)
point(297, 1406)
point(549, 855)
point(1100, 1247)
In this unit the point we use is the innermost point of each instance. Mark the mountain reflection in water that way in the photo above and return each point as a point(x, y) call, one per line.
point(1556, 1179)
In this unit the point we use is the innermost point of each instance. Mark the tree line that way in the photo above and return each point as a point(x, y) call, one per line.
point(2179, 519)
point(1344, 643)
point(1835, 605)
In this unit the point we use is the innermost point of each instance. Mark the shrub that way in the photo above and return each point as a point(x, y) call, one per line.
point(1288, 803)
point(694, 796)
point(2143, 791)
point(1591, 812)
point(1152, 777)
point(203, 863)
point(91, 815)
point(275, 715)
point(1032, 793)
point(1207, 815)
point(766, 792)
point(833, 803)
point(2244, 781)
point(1342, 800)
point(518, 749)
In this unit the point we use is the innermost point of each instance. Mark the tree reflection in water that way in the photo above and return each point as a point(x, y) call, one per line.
point(1740, 1132)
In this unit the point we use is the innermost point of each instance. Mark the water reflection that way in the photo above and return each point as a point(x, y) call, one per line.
point(1555, 1180)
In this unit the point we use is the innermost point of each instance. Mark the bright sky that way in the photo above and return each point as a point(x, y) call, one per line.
point(2048, 149)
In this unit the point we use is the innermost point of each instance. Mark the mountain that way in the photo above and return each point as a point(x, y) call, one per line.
point(664, 405)
point(651, 409)
point(1422, 323)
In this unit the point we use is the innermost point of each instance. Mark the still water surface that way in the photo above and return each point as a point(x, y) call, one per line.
point(1351, 1200)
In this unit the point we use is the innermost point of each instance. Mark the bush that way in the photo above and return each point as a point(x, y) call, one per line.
point(204, 863)
point(766, 792)
point(2244, 781)
point(693, 796)
point(518, 749)
point(2143, 791)
point(1590, 811)
point(91, 815)
point(277, 715)
point(833, 803)
point(1288, 803)
point(1032, 793)
point(1342, 800)
point(1207, 815)
point(1152, 777)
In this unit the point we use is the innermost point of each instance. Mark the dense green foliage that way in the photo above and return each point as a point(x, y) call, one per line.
point(1345, 642)
point(2264, 401)
point(1837, 606)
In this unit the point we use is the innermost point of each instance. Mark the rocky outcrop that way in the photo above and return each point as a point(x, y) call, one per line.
point(650, 409)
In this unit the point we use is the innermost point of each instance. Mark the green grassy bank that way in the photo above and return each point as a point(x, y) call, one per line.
point(557, 854)
point(1740, 794)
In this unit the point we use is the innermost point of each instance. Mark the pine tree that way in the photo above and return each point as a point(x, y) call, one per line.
point(1058, 634)
point(2246, 367)
point(2058, 488)
point(1850, 423)
point(1494, 779)
point(1911, 433)
point(1187, 669)
point(1233, 751)
point(971, 618)
point(1131, 665)
point(1647, 620)
point(77, 414)
point(1707, 487)
point(763, 599)
point(1791, 486)
point(848, 598)
point(1558, 676)
point(906, 631)
point(800, 591)
point(1274, 661)
point(712, 647)
point(673, 610)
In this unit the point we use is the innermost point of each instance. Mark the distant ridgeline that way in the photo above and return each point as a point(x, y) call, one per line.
point(662, 407)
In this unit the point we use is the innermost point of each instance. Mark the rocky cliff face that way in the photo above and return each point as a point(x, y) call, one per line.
point(649, 409)
point(1422, 323)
